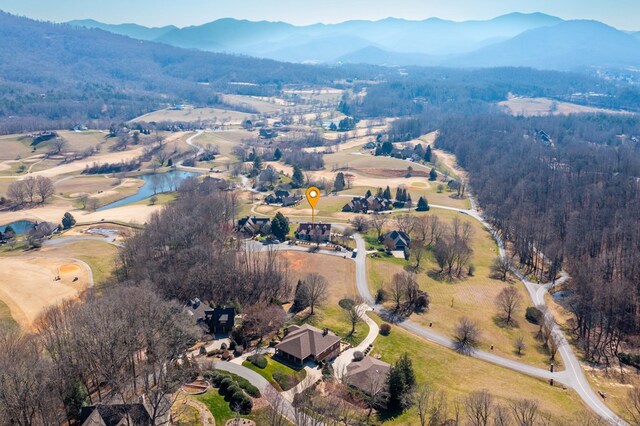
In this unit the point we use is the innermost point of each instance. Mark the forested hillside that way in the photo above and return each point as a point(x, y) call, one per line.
point(56, 74)
point(575, 198)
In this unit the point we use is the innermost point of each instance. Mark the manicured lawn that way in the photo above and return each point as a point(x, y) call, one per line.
point(216, 405)
point(274, 366)
point(473, 297)
point(459, 375)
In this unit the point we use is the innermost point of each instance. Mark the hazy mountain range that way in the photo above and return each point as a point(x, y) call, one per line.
point(536, 40)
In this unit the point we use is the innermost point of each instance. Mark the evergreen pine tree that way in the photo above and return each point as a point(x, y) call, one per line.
point(339, 183)
point(427, 154)
point(433, 175)
point(368, 194)
point(379, 193)
point(297, 179)
point(423, 205)
point(277, 154)
point(387, 193)
point(280, 226)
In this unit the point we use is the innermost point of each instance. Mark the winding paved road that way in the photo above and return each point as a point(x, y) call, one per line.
point(572, 377)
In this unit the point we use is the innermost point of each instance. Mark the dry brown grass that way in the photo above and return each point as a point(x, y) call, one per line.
point(28, 287)
point(471, 296)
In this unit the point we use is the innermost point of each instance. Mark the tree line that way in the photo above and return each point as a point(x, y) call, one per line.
point(569, 201)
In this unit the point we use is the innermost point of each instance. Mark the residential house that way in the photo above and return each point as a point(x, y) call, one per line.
point(307, 343)
point(397, 240)
point(252, 225)
point(369, 375)
point(140, 414)
point(356, 205)
point(316, 232)
point(370, 204)
point(221, 320)
point(283, 197)
point(212, 321)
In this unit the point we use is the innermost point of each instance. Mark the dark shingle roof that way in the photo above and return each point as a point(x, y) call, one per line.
point(306, 340)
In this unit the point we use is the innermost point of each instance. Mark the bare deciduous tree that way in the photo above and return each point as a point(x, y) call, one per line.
point(508, 301)
point(315, 290)
point(466, 335)
point(479, 408)
point(377, 222)
point(360, 223)
point(500, 267)
point(518, 343)
point(431, 406)
point(525, 412)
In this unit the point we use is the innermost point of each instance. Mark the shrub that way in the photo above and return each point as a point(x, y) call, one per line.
point(258, 360)
point(381, 296)
point(245, 405)
point(346, 303)
point(327, 371)
point(533, 315)
point(232, 390)
point(223, 346)
point(225, 384)
point(358, 356)
point(226, 355)
point(285, 381)
point(422, 301)
point(232, 345)
point(385, 329)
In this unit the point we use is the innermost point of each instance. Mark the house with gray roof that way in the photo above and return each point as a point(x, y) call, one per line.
point(368, 375)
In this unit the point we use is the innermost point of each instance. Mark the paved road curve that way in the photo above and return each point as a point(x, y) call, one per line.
point(572, 376)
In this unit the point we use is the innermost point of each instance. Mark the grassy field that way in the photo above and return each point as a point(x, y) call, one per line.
point(544, 106)
point(220, 409)
point(459, 375)
point(473, 297)
point(273, 367)
point(340, 274)
point(6, 320)
point(262, 105)
point(98, 255)
point(225, 141)
point(190, 114)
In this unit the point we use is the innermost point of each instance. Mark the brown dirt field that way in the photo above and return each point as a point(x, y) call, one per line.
point(68, 269)
point(12, 147)
point(28, 286)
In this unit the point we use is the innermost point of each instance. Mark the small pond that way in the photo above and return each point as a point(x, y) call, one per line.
point(19, 227)
point(155, 183)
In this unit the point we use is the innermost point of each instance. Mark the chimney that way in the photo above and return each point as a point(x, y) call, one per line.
point(325, 331)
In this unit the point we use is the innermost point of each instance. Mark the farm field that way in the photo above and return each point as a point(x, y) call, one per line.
point(472, 297)
point(543, 106)
point(191, 115)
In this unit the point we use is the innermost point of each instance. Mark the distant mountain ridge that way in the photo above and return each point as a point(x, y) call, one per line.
point(517, 39)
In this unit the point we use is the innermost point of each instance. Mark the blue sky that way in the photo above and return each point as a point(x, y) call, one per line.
point(623, 14)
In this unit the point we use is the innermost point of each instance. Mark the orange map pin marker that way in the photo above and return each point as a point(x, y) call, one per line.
point(313, 196)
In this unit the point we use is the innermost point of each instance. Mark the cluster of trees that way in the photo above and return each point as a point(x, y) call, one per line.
point(565, 203)
point(188, 250)
point(405, 292)
point(103, 348)
point(452, 250)
point(304, 160)
point(30, 190)
point(104, 168)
